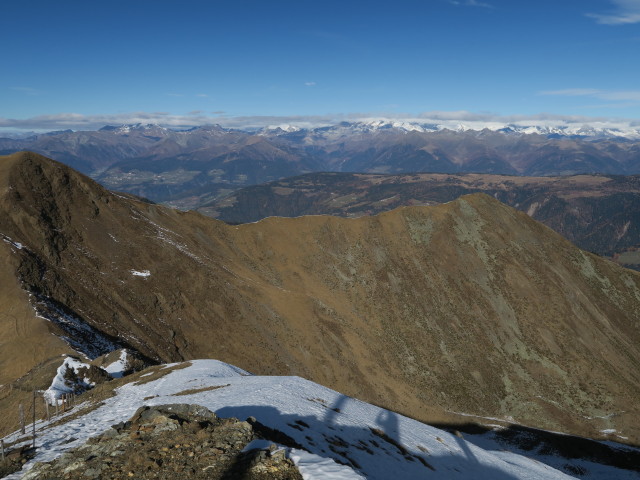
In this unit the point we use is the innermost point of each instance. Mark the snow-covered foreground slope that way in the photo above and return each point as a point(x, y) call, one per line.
point(372, 442)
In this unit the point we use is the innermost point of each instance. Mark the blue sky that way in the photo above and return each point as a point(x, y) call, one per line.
point(69, 64)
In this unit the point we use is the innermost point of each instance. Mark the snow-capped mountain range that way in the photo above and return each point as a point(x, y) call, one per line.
point(584, 130)
point(198, 164)
point(577, 130)
point(588, 129)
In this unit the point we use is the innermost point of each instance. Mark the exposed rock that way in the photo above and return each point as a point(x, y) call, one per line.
point(168, 442)
point(14, 459)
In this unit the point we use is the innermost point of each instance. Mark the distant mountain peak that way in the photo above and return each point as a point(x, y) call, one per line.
point(126, 128)
point(279, 129)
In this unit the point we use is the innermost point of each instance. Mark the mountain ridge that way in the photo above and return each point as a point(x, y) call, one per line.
point(392, 309)
point(598, 213)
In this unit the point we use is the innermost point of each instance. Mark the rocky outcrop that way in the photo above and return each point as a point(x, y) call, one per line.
point(174, 441)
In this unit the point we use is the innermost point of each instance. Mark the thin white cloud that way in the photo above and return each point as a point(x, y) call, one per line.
point(625, 12)
point(618, 105)
point(78, 121)
point(611, 95)
point(310, 84)
point(202, 95)
point(470, 3)
point(27, 91)
point(572, 92)
point(623, 96)
point(175, 95)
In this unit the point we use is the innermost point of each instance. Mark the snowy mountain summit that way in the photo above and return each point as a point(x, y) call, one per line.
point(553, 130)
point(329, 434)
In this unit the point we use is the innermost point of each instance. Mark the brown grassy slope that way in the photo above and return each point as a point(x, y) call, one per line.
point(25, 340)
point(468, 307)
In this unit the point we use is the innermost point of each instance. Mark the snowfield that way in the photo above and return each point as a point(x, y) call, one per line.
point(367, 441)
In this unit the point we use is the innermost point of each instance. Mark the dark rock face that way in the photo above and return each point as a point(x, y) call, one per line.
point(169, 442)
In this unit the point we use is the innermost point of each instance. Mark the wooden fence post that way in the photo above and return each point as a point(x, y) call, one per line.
point(21, 414)
point(46, 407)
point(34, 419)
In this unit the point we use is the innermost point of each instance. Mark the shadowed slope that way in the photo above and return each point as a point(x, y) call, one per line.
point(466, 307)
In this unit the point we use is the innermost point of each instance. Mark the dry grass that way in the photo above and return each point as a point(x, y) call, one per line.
point(193, 391)
point(152, 374)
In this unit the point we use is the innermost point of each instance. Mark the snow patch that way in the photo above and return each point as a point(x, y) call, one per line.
point(80, 336)
point(164, 234)
point(117, 368)
point(140, 273)
point(61, 383)
point(8, 240)
point(312, 466)
point(279, 129)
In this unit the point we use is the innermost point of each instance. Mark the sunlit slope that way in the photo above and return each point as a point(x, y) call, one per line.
point(466, 307)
